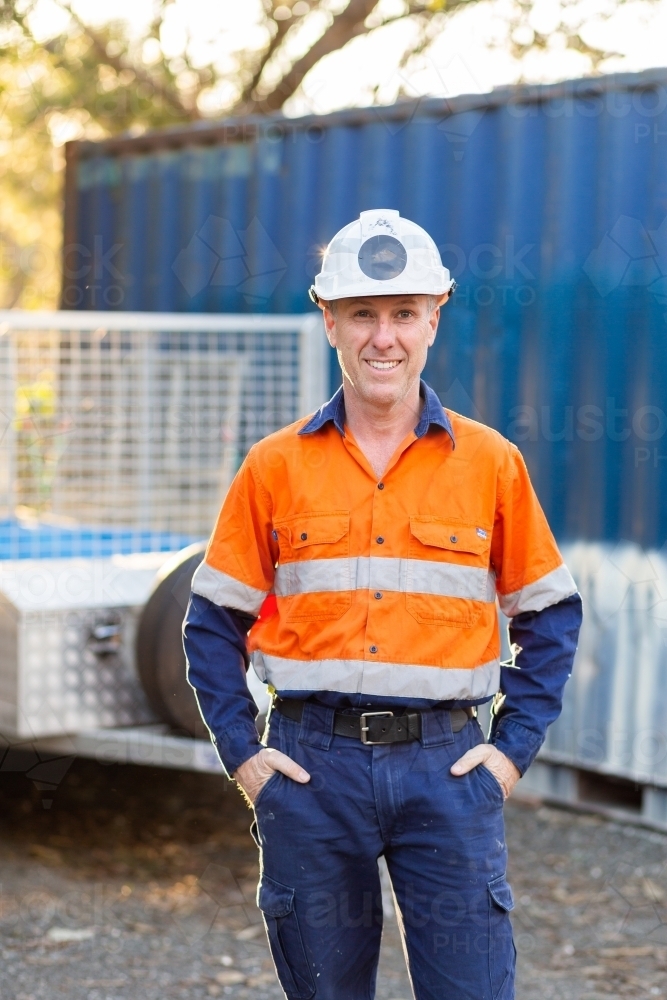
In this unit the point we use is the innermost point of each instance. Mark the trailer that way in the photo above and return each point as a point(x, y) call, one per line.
point(120, 436)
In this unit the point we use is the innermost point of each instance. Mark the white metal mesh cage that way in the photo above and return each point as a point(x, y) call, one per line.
point(139, 421)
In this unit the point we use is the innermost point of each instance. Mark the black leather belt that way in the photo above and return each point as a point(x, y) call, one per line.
point(375, 727)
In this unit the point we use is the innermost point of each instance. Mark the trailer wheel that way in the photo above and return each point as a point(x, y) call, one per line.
point(160, 656)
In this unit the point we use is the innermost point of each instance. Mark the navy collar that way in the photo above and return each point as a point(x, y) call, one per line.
point(334, 412)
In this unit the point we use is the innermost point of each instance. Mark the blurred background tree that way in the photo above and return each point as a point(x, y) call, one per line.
point(95, 78)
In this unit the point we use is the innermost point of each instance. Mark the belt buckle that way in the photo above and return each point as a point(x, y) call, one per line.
point(365, 729)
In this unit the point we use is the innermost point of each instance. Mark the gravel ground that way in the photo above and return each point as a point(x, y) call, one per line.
point(139, 884)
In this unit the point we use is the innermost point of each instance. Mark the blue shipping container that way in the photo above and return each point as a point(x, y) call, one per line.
point(549, 205)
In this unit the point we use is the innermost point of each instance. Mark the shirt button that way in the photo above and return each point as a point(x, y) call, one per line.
point(304, 536)
point(275, 535)
point(452, 538)
point(373, 649)
point(377, 595)
point(379, 539)
point(380, 486)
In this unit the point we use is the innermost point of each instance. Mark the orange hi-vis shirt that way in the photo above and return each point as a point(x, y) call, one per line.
point(382, 588)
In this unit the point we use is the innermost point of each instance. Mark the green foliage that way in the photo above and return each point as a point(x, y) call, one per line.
point(85, 83)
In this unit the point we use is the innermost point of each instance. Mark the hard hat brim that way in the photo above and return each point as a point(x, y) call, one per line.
point(318, 299)
point(364, 292)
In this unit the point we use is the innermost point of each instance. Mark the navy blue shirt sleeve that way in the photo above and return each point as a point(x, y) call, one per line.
point(532, 690)
point(214, 639)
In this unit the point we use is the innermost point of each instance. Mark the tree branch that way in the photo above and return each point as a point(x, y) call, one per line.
point(346, 25)
point(274, 44)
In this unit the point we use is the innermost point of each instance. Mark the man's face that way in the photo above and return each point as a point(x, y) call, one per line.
point(382, 342)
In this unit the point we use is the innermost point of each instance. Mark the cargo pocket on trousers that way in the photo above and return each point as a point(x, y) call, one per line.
point(276, 902)
point(502, 954)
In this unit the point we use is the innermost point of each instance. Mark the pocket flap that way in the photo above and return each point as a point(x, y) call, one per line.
point(501, 894)
point(447, 535)
point(274, 899)
point(318, 529)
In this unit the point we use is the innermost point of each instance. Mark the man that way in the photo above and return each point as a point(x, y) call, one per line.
point(382, 529)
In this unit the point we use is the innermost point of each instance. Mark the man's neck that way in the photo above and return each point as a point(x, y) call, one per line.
point(379, 430)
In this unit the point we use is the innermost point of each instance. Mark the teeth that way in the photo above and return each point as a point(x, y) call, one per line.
point(384, 365)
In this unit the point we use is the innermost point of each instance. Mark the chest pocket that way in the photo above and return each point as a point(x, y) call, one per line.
point(314, 574)
point(448, 579)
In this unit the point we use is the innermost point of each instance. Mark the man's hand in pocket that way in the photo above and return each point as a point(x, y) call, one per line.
point(501, 767)
point(254, 773)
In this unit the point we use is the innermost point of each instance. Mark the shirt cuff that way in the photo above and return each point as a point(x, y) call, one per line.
point(236, 746)
point(521, 745)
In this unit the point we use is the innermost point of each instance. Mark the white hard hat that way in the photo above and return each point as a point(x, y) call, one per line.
point(381, 254)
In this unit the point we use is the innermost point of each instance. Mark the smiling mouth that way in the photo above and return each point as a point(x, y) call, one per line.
point(381, 366)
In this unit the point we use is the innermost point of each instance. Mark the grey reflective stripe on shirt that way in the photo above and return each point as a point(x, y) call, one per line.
point(548, 590)
point(393, 680)
point(225, 591)
point(414, 576)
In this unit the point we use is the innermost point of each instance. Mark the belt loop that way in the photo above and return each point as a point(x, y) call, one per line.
point(316, 726)
point(436, 728)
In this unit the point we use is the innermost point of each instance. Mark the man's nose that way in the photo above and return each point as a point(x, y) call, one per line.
point(383, 335)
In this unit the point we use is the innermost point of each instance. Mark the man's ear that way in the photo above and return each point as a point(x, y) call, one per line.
point(434, 318)
point(329, 322)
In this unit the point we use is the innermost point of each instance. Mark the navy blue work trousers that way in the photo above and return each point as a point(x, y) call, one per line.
point(444, 843)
